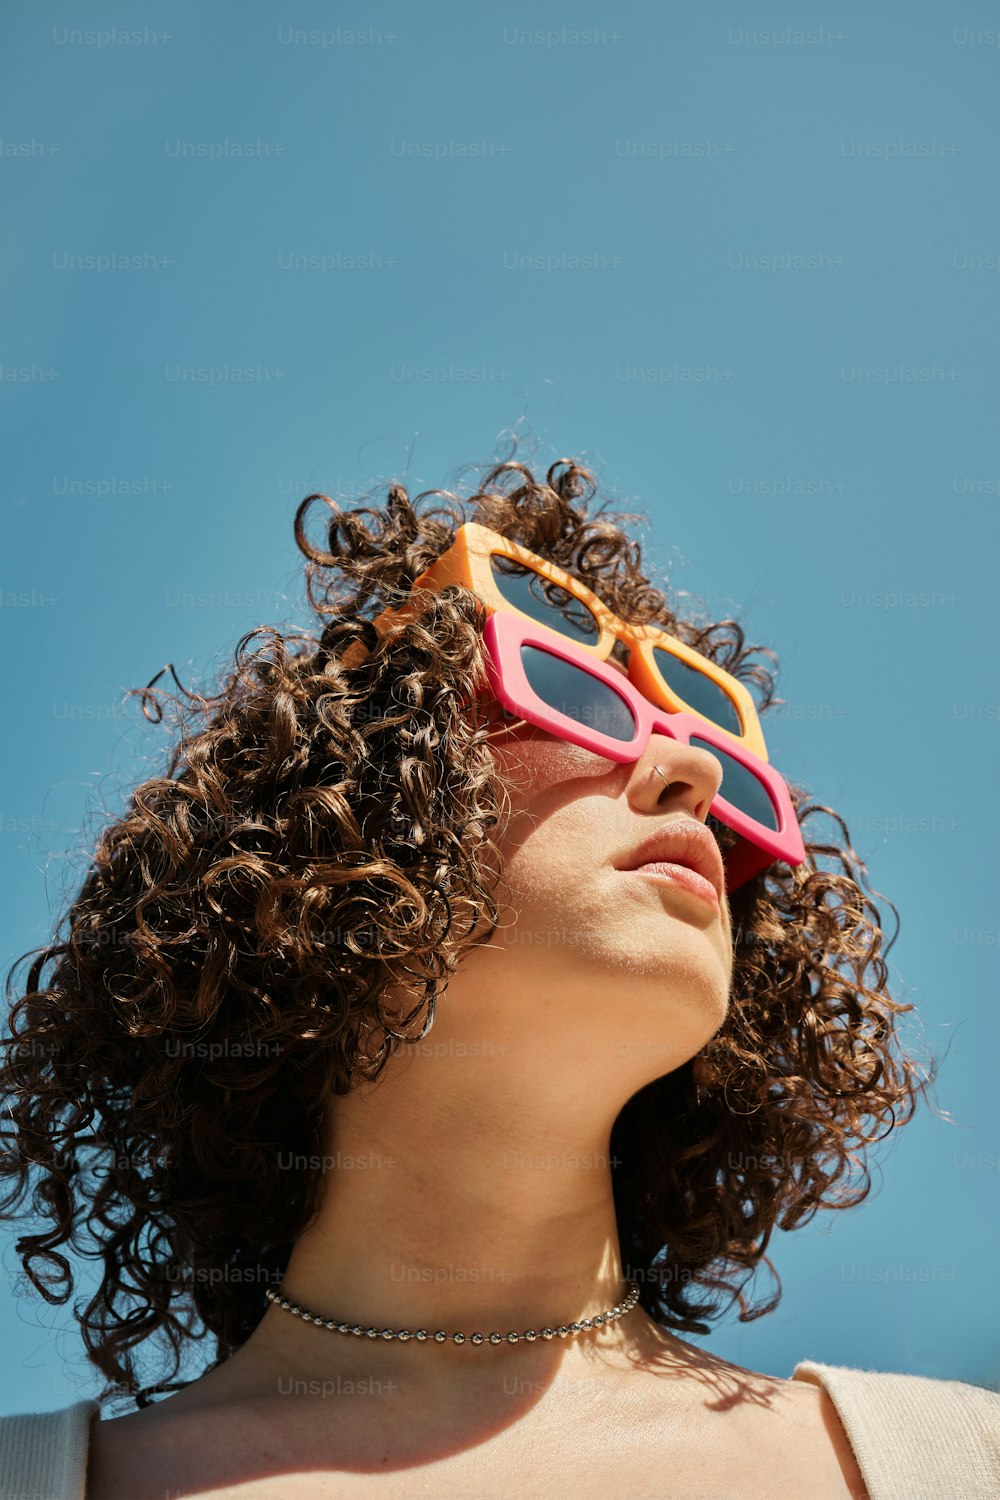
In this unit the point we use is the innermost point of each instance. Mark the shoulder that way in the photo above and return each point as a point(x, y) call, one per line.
point(243, 1445)
point(178, 1446)
point(162, 1440)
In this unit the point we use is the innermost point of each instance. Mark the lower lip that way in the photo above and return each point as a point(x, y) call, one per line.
point(686, 879)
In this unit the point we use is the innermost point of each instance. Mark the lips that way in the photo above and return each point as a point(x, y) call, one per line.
point(683, 842)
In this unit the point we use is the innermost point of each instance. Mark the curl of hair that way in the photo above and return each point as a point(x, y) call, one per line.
point(320, 837)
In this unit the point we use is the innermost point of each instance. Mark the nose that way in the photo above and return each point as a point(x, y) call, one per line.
point(669, 775)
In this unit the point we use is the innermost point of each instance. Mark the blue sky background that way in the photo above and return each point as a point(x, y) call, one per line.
point(813, 439)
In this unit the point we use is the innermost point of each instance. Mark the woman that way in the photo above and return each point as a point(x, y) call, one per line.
point(417, 998)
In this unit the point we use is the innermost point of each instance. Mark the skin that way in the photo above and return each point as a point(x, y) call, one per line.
point(484, 1198)
point(498, 1124)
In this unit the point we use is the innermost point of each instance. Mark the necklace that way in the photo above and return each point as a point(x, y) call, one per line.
point(422, 1336)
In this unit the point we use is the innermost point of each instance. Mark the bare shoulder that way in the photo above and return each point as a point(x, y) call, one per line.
point(765, 1434)
point(176, 1450)
point(720, 1429)
point(735, 1433)
point(130, 1454)
point(822, 1432)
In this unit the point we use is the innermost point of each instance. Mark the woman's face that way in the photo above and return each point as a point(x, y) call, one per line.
point(645, 966)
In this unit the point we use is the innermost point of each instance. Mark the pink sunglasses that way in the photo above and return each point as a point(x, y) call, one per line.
point(542, 677)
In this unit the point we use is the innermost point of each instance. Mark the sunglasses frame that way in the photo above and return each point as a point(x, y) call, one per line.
point(507, 630)
point(466, 563)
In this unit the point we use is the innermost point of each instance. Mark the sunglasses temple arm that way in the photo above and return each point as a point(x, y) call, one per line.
point(743, 861)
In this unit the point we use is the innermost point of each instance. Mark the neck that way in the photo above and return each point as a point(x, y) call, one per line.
point(459, 1218)
point(468, 1190)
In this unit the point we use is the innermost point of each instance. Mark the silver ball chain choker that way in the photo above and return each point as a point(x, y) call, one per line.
point(422, 1336)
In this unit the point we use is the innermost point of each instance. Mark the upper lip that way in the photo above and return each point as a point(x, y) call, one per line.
point(684, 842)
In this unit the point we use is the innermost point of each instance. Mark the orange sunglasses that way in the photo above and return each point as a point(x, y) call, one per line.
point(504, 575)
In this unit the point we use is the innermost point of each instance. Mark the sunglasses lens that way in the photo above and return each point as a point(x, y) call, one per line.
point(544, 601)
point(548, 604)
point(741, 787)
point(698, 691)
point(577, 694)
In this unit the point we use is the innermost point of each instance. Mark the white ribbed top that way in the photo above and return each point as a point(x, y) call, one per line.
point(43, 1455)
point(914, 1437)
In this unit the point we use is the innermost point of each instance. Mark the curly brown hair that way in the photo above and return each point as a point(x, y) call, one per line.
point(321, 836)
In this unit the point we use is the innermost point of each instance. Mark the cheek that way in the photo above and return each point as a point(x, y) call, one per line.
point(534, 764)
point(560, 800)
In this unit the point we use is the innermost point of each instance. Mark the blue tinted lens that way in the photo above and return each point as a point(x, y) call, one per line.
point(544, 601)
point(577, 694)
point(698, 690)
point(741, 787)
